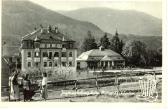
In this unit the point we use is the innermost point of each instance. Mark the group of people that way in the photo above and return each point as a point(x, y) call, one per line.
point(15, 86)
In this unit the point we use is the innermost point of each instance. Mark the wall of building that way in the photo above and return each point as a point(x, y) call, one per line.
point(107, 64)
point(83, 64)
point(53, 60)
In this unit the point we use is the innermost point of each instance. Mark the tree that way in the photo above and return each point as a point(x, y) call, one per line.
point(134, 52)
point(104, 41)
point(116, 44)
point(159, 51)
point(89, 42)
point(154, 57)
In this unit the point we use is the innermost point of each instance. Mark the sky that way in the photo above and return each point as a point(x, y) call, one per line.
point(152, 7)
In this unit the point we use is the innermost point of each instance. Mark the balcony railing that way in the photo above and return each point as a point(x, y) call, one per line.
point(45, 58)
point(56, 58)
point(36, 59)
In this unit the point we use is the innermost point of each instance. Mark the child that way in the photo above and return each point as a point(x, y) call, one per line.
point(44, 86)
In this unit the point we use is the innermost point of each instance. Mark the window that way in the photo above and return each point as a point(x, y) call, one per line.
point(56, 54)
point(48, 45)
point(36, 64)
point(29, 64)
point(45, 64)
point(59, 46)
point(36, 54)
point(45, 54)
point(70, 45)
point(56, 64)
point(29, 54)
point(63, 54)
point(29, 44)
point(70, 54)
point(53, 45)
point(50, 55)
point(50, 64)
point(70, 63)
point(36, 44)
point(63, 63)
point(42, 45)
point(63, 45)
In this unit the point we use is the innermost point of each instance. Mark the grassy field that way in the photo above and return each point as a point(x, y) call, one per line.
point(108, 94)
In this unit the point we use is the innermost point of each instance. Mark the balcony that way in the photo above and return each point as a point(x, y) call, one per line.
point(56, 58)
point(29, 58)
point(63, 59)
point(70, 58)
point(45, 58)
point(63, 49)
point(37, 59)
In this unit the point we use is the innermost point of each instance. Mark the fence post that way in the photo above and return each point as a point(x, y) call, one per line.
point(97, 86)
point(117, 84)
point(155, 75)
point(76, 88)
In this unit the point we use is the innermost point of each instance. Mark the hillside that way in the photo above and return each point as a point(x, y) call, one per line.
point(126, 21)
point(21, 17)
point(152, 42)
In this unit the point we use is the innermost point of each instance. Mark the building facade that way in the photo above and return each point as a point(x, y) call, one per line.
point(47, 49)
point(100, 58)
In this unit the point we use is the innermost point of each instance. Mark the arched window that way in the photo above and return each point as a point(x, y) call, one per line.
point(56, 54)
point(29, 54)
point(45, 54)
point(63, 54)
point(70, 54)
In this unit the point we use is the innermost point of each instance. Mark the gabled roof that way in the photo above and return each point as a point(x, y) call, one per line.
point(106, 58)
point(98, 52)
point(45, 35)
point(85, 55)
point(101, 55)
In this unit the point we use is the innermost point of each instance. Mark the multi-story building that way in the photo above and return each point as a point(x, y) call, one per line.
point(48, 49)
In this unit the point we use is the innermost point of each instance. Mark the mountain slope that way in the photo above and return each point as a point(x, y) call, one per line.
point(152, 42)
point(21, 17)
point(126, 21)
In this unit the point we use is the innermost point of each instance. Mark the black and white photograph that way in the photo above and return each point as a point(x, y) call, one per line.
point(81, 51)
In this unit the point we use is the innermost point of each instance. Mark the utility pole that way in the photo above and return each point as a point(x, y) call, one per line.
point(3, 47)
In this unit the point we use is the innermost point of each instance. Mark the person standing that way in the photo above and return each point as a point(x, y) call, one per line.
point(11, 91)
point(44, 86)
point(15, 87)
point(26, 87)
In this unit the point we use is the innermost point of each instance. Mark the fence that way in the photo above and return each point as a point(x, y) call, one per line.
point(96, 82)
point(121, 81)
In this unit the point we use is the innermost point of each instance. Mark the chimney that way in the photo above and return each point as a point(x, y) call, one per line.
point(49, 29)
point(56, 29)
point(41, 26)
point(63, 38)
point(116, 34)
point(101, 48)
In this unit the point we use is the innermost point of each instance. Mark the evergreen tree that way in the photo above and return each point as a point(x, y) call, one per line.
point(134, 52)
point(116, 44)
point(154, 57)
point(89, 42)
point(104, 41)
